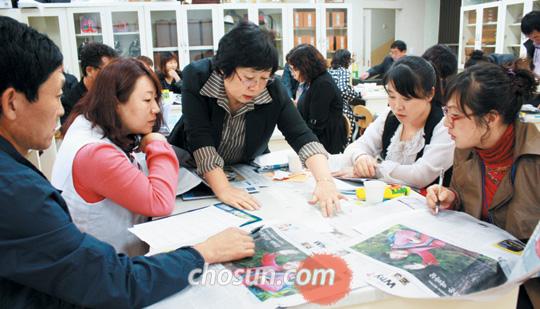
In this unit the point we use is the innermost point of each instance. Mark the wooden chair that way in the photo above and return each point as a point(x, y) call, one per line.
point(348, 127)
point(363, 119)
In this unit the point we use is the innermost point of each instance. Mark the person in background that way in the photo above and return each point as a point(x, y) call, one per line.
point(169, 75)
point(530, 27)
point(46, 261)
point(231, 107)
point(444, 61)
point(94, 57)
point(146, 60)
point(409, 144)
point(291, 85)
point(321, 105)
point(339, 71)
point(477, 56)
point(105, 190)
point(497, 160)
point(398, 49)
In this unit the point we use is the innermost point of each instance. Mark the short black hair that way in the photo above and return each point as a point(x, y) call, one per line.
point(443, 59)
point(477, 56)
point(413, 77)
point(27, 58)
point(248, 46)
point(92, 53)
point(530, 22)
point(308, 61)
point(487, 87)
point(342, 58)
point(399, 44)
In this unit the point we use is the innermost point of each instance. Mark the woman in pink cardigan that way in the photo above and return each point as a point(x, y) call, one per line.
point(106, 189)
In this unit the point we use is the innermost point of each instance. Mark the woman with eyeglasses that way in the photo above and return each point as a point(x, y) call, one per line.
point(320, 103)
point(408, 144)
point(231, 107)
point(497, 160)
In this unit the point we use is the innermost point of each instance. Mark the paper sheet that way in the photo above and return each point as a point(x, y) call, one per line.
point(188, 228)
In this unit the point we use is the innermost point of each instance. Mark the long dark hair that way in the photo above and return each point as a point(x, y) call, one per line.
point(113, 86)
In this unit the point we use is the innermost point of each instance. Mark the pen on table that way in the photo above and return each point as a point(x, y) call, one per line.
point(438, 204)
point(256, 230)
point(268, 168)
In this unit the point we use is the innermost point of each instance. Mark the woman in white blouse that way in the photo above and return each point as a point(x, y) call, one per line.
point(409, 144)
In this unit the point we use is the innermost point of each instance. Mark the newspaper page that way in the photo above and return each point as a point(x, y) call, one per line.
point(420, 255)
point(279, 251)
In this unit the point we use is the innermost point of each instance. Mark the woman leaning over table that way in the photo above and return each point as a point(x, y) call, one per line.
point(497, 158)
point(105, 189)
point(410, 140)
point(231, 107)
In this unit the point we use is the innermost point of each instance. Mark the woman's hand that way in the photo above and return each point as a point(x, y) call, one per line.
point(230, 245)
point(347, 172)
point(327, 196)
point(150, 137)
point(174, 75)
point(436, 194)
point(365, 166)
point(237, 198)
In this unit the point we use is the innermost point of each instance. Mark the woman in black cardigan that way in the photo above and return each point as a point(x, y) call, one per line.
point(320, 104)
point(169, 75)
point(231, 106)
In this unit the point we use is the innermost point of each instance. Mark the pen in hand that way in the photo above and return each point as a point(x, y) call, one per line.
point(438, 204)
point(255, 231)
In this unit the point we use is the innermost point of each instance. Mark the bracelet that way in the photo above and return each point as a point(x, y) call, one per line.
point(324, 179)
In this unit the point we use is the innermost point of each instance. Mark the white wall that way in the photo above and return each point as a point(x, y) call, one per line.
point(417, 22)
point(383, 25)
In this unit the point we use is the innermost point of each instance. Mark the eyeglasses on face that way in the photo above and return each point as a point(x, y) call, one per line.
point(453, 115)
point(253, 81)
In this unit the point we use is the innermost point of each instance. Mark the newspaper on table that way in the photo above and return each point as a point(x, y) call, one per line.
point(419, 255)
point(280, 248)
point(239, 175)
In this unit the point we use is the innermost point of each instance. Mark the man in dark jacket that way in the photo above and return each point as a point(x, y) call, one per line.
point(45, 261)
point(398, 49)
point(530, 26)
point(94, 56)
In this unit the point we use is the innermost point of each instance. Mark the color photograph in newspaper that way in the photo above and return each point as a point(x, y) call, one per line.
point(441, 269)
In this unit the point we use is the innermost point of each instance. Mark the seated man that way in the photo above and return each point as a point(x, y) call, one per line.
point(45, 261)
point(94, 56)
point(398, 49)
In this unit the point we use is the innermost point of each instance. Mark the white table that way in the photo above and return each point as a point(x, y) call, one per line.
point(291, 200)
point(375, 96)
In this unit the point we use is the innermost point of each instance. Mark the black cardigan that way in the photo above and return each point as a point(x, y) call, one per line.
point(202, 119)
point(321, 106)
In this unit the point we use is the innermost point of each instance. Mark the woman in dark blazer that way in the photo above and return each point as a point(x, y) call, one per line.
point(231, 106)
point(320, 104)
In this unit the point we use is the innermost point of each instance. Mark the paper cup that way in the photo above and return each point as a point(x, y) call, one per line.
point(295, 165)
point(374, 191)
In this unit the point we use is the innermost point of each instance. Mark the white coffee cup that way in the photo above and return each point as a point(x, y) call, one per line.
point(295, 165)
point(374, 191)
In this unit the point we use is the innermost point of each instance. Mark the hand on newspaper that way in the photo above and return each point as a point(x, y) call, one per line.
point(237, 198)
point(230, 245)
point(327, 196)
point(436, 194)
point(365, 166)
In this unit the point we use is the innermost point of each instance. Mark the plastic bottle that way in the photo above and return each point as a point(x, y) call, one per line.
point(354, 68)
point(391, 191)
